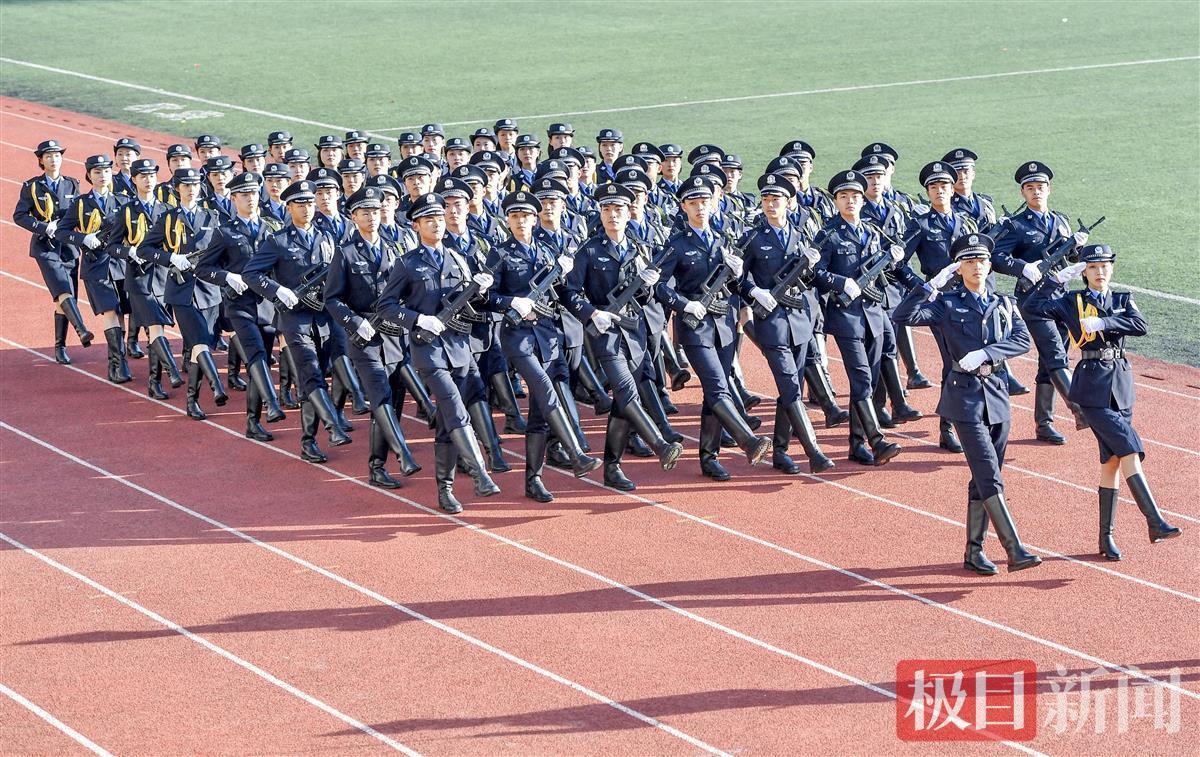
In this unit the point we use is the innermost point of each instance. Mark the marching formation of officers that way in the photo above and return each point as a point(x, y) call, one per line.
point(469, 273)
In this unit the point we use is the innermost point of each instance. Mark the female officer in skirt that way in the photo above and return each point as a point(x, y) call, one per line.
point(1098, 320)
point(41, 205)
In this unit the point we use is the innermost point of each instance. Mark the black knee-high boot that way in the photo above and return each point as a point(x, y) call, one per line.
point(162, 348)
point(804, 432)
point(821, 392)
point(254, 427)
point(781, 435)
point(154, 388)
point(889, 376)
point(514, 423)
point(388, 422)
point(1043, 415)
point(344, 370)
point(260, 380)
point(668, 450)
point(560, 426)
point(468, 448)
point(193, 392)
point(586, 374)
point(309, 451)
point(652, 402)
point(731, 419)
point(977, 524)
point(416, 389)
point(710, 448)
point(209, 368)
point(322, 406)
point(60, 339)
point(535, 460)
point(233, 365)
point(1018, 557)
point(567, 400)
point(485, 430)
point(1159, 528)
point(132, 349)
point(1108, 515)
point(735, 398)
point(70, 309)
point(445, 460)
point(868, 425)
point(908, 353)
point(118, 368)
point(616, 437)
point(1060, 378)
point(947, 439)
point(287, 380)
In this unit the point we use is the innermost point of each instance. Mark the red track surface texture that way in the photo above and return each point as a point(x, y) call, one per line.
point(171, 587)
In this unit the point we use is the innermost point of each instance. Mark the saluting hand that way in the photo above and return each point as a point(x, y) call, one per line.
point(943, 276)
point(1070, 272)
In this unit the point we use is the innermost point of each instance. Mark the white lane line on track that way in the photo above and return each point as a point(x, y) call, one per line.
point(646, 597)
point(376, 596)
point(75, 736)
point(210, 646)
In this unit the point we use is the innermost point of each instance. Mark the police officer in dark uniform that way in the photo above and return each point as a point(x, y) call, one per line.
point(979, 329)
point(808, 195)
point(1098, 321)
point(782, 326)
point(697, 259)
point(854, 317)
point(559, 135)
point(609, 143)
point(280, 263)
point(298, 164)
point(608, 260)
point(357, 275)
point(103, 275)
point(378, 160)
point(355, 144)
point(176, 242)
point(1026, 239)
point(145, 282)
point(416, 289)
point(329, 151)
point(41, 206)
point(278, 144)
point(530, 334)
point(250, 316)
point(275, 180)
point(125, 151)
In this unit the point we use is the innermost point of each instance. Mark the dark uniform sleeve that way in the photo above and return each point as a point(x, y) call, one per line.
point(666, 293)
point(257, 271)
point(1016, 343)
point(915, 310)
point(66, 231)
point(1004, 257)
point(827, 281)
point(576, 300)
point(391, 303)
point(335, 287)
point(210, 266)
point(23, 213)
point(1132, 323)
point(497, 302)
point(1044, 303)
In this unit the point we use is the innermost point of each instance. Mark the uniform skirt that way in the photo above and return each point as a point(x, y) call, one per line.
point(1114, 432)
point(61, 276)
point(147, 308)
point(106, 296)
point(196, 324)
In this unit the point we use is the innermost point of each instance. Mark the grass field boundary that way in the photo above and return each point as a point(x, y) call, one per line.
point(819, 91)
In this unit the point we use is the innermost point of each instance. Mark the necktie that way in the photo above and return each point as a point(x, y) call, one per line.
point(253, 226)
point(782, 237)
point(52, 185)
point(377, 253)
point(436, 255)
point(189, 216)
point(148, 207)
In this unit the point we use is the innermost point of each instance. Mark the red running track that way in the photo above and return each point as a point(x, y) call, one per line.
point(317, 613)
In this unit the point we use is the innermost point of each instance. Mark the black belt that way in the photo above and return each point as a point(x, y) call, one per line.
point(1108, 354)
point(987, 369)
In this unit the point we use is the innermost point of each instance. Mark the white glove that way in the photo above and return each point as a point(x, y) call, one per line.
point(972, 360)
point(523, 306)
point(366, 331)
point(764, 298)
point(566, 263)
point(1080, 237)
point(431, 324)
point(1070, 272)
point(734, 263)
point(91, 241)
point(649, 276)
point(851, 288)
point(603, 320)
point(287, 297)
point(1092, 324)
point(943, 276)
point(51, 227)
point(813, 255)
point(897, 252)
point(695, 309)
point(236, 282)
point(134, 256)
point(1031, 272)
point(484, 280)
point(180, 262)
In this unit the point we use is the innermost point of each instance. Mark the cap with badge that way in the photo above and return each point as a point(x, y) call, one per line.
point(882, 149)
point(354, 137)
point(1097, 253)
point(415, 166)
point(300, 191)
point(143, 165)
point(386, 184)
point(408, 138)
point(568, 155)
point(647, 152)
point(560, 130)
point(610, 135)
point(614, 194)
point(960, 157)
point(972, 247)
point(847, 180)
point(488, 160)
point(694, 186)
point(49, 145)
point(939, 170)
point(521, 202)
point(671, 150)
point(450, 186)
point(1033, 171)
point(247, 181)
point(527, 140)
point(505, 124)
point(218, 163)
point(252, 151)
point(785, 165)
point(457, 143)
point(279, 138)
point(97, 161)
point(634, 179)
point(207, 141)
point(433, 130)
point(376, 150)
point(366, 197)
point(548, 188)
point(328, 141)
point(483, 132)
point(705, 153)
point(471, 174)
point(350, 165)
point(296, 155)
point(276, 171)
point(127, 143)
point(798, 149)
point(776, 184)
point(551, 169)
point(869, 165)
point(431, 204)
point(325, 177)
point(732, 161)
point(186, 176)
point(586, 152)
point(631, 161)
point(179, 151)
point(712, 173)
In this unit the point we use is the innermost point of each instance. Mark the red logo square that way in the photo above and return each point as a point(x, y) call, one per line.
point(966, 700)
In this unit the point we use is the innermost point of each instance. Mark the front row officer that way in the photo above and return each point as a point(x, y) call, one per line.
point(1098, 320)
point(979, 330)
point(357, 275)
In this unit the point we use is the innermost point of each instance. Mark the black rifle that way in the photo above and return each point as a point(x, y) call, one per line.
point(628, 287)
point(711, 297)
point(456, 313)
point(786, 278)
point(380, 324)
point(193, 258)
point(539, 287)
point(1061, 249)
point(310, 290)
point(868, 276)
